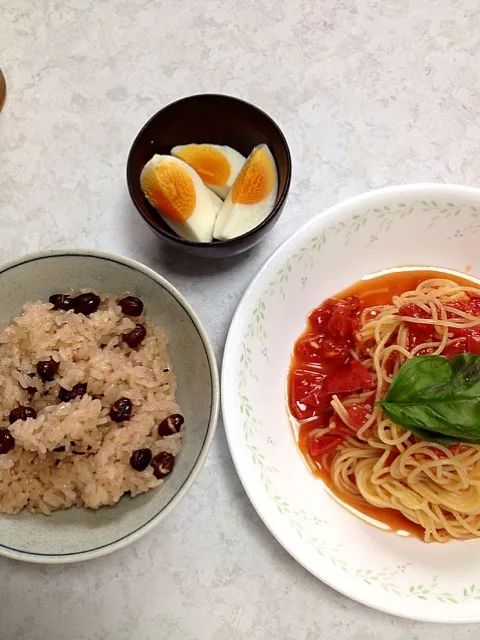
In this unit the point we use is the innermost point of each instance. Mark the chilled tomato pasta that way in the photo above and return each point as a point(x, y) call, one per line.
point(343, 366)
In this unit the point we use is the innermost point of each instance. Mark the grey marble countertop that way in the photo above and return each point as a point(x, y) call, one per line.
point(368, 94)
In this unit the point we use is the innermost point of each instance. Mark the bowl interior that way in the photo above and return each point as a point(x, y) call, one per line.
point(419, 225)
point(78, 531)
point(210, 118)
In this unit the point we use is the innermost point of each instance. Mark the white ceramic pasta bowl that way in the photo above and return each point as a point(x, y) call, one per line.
point(82, 534)
point(431, 225)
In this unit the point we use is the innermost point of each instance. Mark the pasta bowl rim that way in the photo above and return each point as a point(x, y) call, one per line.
point(251, 355)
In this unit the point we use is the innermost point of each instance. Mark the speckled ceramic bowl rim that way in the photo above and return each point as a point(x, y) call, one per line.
point(97, 552)
point(281, 197)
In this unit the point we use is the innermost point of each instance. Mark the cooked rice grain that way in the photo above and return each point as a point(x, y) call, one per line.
point(91, 466)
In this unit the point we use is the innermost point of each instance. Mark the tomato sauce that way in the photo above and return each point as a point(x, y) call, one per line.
point(322, 365)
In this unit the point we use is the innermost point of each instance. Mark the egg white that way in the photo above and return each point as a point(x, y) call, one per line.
point(199, 226)
point(235, 219)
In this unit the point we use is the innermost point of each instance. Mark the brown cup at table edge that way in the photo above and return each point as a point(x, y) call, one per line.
point(3, 90)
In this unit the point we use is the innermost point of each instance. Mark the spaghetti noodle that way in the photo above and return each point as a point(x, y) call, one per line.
point(345, 364)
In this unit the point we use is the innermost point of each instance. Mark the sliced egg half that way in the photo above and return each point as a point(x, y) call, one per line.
point(217, 165)
point(251, 197)
point(180, 197)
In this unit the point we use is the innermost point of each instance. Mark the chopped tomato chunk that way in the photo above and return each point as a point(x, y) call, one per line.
point(353, 377)
point(473, 343)
point(323, 444)
point(468, 305)
point(417, 332)
point(337, 318)
point(344, 313)
point(467, 344)
point(412, 310)
point(390, 363)
point(458, 332)
point(455, 348)
point(305, 392)
point(334, 352)
point(311, 391)
point(358, 414)
point(474, 303)
point(320, 349)
point(319, 318)
point(332, 335)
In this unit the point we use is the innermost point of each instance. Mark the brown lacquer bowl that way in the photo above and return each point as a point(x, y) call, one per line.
point(3, 90)
point(216, 119)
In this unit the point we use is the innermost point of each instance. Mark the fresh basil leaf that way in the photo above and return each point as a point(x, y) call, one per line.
point(404, 421)
point(439, 396)
point(431, 436)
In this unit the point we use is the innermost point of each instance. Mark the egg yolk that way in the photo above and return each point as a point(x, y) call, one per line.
point(255, 181)
point(210, 163)
point(170, 189)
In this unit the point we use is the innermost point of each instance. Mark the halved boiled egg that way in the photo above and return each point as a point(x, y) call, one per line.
point(180, 197)
point(217, 165)
point(251, 197)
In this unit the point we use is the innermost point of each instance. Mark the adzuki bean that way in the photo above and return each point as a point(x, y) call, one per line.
point(121, 410)
point(7, 441)
point(21, 413)
point(61, 302)
point(131, 306)
point(170, 425)
point(47, 369)
point(140, 459)
point(85, 303)
point(79, 390)
point(162, 464)
point(135, 337)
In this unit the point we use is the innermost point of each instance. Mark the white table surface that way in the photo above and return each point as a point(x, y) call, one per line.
point(368, 94)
